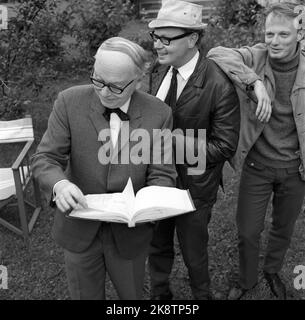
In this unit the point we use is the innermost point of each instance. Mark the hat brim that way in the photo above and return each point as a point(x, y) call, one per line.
point(159, 23)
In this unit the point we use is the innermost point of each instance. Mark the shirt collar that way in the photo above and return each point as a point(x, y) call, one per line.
point(187, 69)
point(125, 106)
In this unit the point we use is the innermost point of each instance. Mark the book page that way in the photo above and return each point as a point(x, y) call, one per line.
point(130, 198)
point(104, 207)
point(111, 202)
point(157, 213)
point(115, 207)
point(163, 197)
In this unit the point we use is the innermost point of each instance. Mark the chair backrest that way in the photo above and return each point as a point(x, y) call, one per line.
point(16, 130)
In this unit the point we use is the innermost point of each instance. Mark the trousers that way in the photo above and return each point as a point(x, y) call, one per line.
point(258, 183)
point(86, 271)
point(192, 233)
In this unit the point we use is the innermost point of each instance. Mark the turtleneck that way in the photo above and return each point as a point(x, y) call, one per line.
point(286, 66)
point(277, 145)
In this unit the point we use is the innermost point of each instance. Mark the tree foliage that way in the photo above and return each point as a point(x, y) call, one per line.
point(236, 23)
point(241, 13)
point(93, 21)
point(29, 48)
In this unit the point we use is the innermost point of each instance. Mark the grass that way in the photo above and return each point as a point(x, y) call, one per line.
point(39, 273)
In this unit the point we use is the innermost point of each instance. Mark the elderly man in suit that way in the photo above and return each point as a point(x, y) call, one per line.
point(201, 97)
point(68, 165)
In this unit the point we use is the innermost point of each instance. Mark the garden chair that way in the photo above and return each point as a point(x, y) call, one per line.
point(15, 180)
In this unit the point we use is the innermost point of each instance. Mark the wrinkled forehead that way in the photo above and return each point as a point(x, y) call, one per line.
point(114, 63)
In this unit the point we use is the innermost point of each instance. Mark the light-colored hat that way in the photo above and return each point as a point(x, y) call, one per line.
point(180, 14)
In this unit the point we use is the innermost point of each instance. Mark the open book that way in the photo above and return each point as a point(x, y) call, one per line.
point(149, 204)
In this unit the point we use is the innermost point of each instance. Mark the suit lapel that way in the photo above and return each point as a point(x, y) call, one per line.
point(157, 78)
point(96, 114)
point(196, 80)
point(96, 117)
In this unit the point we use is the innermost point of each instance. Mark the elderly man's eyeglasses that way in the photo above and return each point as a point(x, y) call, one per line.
point(166, 40)
point(113, 88)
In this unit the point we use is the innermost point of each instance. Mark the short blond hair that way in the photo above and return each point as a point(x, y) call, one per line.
point(285, 9)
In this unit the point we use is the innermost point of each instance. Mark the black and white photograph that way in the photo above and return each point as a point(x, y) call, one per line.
point(152, 150)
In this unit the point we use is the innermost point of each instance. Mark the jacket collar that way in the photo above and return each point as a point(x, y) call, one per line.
point(198, 77)
point(97, 109)
point(268, 77)
point(157, 76)
point(300, 77)
point(99, 122)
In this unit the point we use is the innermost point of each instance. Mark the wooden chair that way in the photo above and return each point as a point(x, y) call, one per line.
point(15, 180)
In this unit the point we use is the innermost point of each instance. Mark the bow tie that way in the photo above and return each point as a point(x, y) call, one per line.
point(122, 115)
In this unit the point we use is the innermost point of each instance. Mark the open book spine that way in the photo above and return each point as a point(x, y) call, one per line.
point(191, 199)
point(131, 224)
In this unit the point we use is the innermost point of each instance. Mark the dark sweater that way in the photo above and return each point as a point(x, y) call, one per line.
point(277, 145)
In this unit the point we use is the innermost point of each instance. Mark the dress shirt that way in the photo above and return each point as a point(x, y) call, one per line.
point(184, 73)
point(115, 123)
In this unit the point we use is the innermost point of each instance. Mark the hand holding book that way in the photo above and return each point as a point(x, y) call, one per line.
point(149, 204)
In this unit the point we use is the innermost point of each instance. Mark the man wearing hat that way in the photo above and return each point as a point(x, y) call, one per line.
point(201, 97)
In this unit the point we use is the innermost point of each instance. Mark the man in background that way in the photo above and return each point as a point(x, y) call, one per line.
point(201, 97)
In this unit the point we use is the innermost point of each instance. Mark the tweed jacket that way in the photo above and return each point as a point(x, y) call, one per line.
point(70, 148)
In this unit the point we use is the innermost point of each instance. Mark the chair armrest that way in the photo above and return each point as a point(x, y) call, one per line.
point(22, 155)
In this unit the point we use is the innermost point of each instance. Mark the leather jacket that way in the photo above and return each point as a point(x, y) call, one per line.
point(208, 101)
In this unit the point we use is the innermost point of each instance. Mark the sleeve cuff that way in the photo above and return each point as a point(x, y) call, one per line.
point(53, 192)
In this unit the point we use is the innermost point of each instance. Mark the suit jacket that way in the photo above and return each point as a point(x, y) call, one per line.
point(208, 101)
point(69, 150)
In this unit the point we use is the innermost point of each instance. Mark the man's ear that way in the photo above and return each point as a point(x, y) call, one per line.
point(139, 84)
point(300, 35)
point(193, 40)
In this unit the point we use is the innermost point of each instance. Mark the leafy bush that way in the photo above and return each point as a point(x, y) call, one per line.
point(32, 40)
point(233, 36)
point(138, 32)
point(241, 13)
point(237, 23)
point(29, 49)
point(11, 108)
point(93, 21)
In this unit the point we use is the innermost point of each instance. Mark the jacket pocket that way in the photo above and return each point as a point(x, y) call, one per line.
point(254, 165)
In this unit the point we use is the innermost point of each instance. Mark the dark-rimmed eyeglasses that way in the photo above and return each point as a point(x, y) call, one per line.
point(166, 40)
point(113, 88)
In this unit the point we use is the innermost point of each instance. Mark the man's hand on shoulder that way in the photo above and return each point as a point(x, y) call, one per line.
point(68, 196)
point(264, 108)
